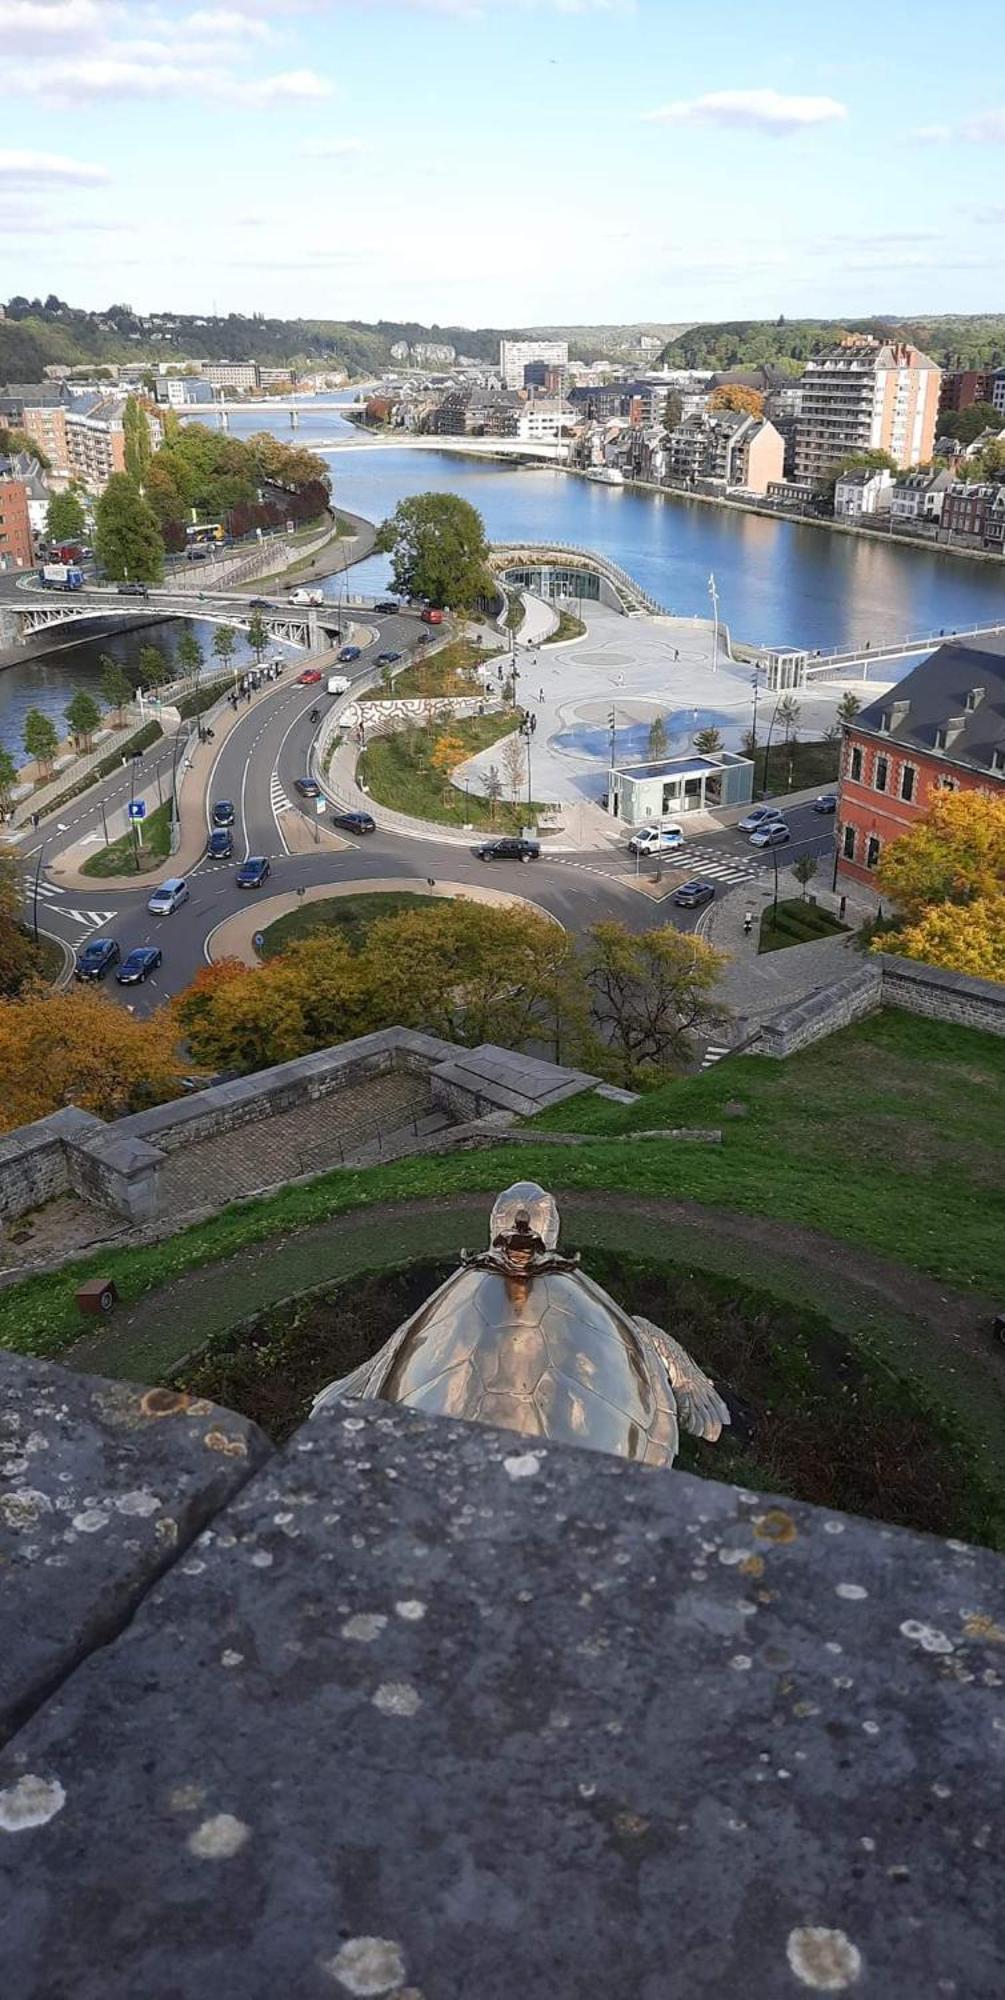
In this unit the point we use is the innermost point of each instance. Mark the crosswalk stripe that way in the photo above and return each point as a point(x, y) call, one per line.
point(277, 796)
point(713, 1054)
point(89, 919)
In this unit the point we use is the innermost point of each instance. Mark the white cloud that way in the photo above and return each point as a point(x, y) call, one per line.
point(129, 76)
point(225, 23)
point(290, 86)
point(754, 110)
point(931, 135)
point(331, 149)
point(987, 129)
point(43, 169)
point(29, 25)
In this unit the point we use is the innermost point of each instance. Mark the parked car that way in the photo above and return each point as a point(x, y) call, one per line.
point(771, 835)
point(509, 847)
point(307, 787)
point(349, 653)
point(252, 873)
point(169, 897)
point(221, 844)
point(826, 803)
point(387, 659)
point(355, 822)
point(223, 813)
point(94, 961)
point(694, 894)
point(656, 840)
point(132, 590)
point(139, 965)
point(386, 606)
point(758, 816)
point(309, 678)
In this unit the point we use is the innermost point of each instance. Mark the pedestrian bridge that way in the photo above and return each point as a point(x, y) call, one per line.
point(843, 660)
point(292, 624)
point(559, 569)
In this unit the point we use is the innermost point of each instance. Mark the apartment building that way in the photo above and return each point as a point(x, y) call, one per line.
point(16, 548)
point(942, 726)
point(729, 447)
point(920, 496)
point(864, 490)
point(962, 387)
point(544, 419)
point(866, 395)
point(996, 390)
point(85, 439)
point(515, 355)
point(968, 512)
point(230, 374)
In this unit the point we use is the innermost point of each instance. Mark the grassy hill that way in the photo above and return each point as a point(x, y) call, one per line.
point(954, 340)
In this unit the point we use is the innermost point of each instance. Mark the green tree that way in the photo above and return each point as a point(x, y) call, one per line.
point(966, 425)
point(41, 739)
point(853, 461)
point(15, 443)
point(189, 656)
point(258, 635)
point(708, 741)
point(17, 953)
point(848, 707)
point(673, 410)
point(493, 790)
point(658, 740)
point(8, 780)
point(127, 537)
point(651, 993)
point(65, 520)
point(224, 644)
point(136, 438)
point(116, 686)
point(151, 667)
point(804, 870)
point(788, 713)
point(83, 715)
point(438, 550)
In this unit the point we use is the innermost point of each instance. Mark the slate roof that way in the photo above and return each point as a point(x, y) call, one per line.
point(935, 695)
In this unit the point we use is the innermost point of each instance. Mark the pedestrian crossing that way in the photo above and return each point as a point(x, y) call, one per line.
point(89, 920)
point(277, 797)
point(713, 1054)
point(715, 862)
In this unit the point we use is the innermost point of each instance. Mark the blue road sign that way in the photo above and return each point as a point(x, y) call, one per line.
point(137, 809)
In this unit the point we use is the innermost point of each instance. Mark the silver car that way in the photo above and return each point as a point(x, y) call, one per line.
point(168, 897)
point(757, 817)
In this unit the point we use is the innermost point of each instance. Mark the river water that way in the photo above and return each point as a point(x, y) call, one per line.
point(780, 582)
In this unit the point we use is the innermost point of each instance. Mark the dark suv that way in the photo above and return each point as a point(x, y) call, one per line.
point(509, 847)
point(97, 958)
point(221, 844)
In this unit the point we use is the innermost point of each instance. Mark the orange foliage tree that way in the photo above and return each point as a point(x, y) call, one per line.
point(733, 396)
point(78, 1048)
point(947, 879)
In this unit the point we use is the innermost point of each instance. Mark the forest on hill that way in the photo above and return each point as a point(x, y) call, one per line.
point(954, 340)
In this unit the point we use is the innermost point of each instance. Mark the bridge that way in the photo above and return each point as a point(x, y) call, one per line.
point(560, 569)
point(292, 624)
point(825, 666)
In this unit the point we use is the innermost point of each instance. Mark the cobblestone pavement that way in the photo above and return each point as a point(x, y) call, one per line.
point(58, 1230)
point(755, 985)
point(307, 1140)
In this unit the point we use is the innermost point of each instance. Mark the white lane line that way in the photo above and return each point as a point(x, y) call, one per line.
point(276, 780)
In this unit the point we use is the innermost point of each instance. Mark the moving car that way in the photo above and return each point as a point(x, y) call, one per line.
point(307, 596)
point(252, 873)
point(349, 653)
point(771, 835)
point(168, 897)
point(93, 962)
point(132, 590)
point(221, 844)
point(826, 803)
point(387, 659)
point(139, 965)
point(262, 604)
point(509, 847)
point(692, 895)
point(307, 787)
point(310, 677)
point(757, 816)
point(387, 606)
point(223, 813)
point(355, 822)
point(337, 684)
point(431, 616)
point(656, 840)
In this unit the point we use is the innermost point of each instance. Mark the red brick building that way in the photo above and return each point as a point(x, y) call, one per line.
point(943, 726)
point(16, 550)
point(964, 386)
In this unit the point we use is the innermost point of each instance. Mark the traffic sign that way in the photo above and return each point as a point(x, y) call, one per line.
point(137, 809)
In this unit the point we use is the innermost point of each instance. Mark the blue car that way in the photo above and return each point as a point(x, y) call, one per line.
point(139, 965)
point(252, 873)
point(349, 653)
point(96, 958)
point(221, 844)
point(223, 813)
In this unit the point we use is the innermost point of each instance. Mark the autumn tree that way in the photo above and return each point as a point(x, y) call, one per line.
point(735, 396)
point(651, 993)
point(41, 739)
point(8, 780)
point(18, 958)
point(514, 765)
point(954, 854)
point(83, 715)
point(961, 937)
point(116, 686)
point(447, 752)
point(73, 1047)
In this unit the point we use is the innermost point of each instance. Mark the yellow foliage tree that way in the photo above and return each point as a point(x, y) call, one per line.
point(954, 854)
point(733, 396)
point(78, 1048)
point(447, 752)
point(962, 937)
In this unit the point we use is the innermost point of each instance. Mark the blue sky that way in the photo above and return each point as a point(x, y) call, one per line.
point(503, 161)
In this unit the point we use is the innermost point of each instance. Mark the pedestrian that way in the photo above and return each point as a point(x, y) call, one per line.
point(676, 652)
point(748, 922)
point(540, 694)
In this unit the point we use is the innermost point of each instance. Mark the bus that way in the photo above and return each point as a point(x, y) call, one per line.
point(204, 531)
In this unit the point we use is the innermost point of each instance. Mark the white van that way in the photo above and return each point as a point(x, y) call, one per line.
point(338, 684)
point(656, 840)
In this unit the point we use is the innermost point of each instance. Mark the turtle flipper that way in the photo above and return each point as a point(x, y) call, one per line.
point(700, 1407)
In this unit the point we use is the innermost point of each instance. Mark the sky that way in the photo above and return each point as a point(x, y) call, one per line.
point(503, 162)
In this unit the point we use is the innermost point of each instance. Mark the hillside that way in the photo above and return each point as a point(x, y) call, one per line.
point(954, 340)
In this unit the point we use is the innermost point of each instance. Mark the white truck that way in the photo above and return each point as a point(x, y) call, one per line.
point(662, 839)
point(313, 597)
point(337, 684)
point(62, 576)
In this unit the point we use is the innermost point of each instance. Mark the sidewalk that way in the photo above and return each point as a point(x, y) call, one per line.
point(755, 984)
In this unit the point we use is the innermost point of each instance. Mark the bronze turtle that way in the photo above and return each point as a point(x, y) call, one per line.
point(521, 1338)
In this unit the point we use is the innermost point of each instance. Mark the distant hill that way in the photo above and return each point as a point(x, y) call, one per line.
point(954, 340)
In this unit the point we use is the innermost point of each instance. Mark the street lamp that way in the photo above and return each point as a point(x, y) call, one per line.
point(753, 727)
point(714, 595)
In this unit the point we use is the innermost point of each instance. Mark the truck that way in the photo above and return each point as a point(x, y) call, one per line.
point(61, 576)
point(663, 839)
point(67, 552)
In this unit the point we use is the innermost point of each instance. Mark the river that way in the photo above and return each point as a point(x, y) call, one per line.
point(779, 582)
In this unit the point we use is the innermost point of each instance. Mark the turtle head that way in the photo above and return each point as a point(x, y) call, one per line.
point(524, 1222)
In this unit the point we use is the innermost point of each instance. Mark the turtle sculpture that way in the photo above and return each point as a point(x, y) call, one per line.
point(520, 1337)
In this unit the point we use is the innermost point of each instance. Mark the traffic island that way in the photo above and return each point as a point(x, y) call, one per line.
point(236, 936)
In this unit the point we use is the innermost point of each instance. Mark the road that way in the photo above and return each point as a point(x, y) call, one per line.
point(256, 768)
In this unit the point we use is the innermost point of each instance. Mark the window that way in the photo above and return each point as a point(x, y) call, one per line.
point(872, 851)
point(855, 767)
point(907, 778)
point(848, 843)
point(882, 772)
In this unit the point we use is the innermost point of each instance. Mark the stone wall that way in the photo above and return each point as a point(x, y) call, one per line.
point(943, 996)
point(883, 981)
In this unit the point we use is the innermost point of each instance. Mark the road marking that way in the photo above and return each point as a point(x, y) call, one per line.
point(277, 797)
point(713, 1054)
point(90, 919)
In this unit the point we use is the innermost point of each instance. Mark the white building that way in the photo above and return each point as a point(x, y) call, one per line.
point(514, 356)
point(544, 420)
point(919, 496)
point(231, 374)
point(866, 490)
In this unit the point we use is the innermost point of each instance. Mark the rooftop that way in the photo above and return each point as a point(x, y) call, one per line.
point(964, 681)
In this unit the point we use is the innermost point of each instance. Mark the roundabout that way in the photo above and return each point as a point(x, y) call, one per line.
point(235, 936)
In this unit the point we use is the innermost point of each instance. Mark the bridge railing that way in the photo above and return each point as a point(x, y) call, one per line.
point(893, 648)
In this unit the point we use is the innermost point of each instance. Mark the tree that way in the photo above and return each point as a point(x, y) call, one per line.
point(189, 656)
point(8, 779)
point(708, 741)
point(17, 443)
point(151, 666)
point(735, 396)
point(65, 520)
point(804, 870)
point(83, 715)
point(788, 712)
point(126, 535)
point(966, 425)
point(447, 752)
point(749, 743)
point(387, 676)
point(514, 765)
point(57, 1048)
point(853, 461)
point(224, 644)
point(136, 439)
point(438, 550)
point(17, 952)
point(116, 686)
point(493, 790)
point(658, 739)
point(954, 854)
point(848, 707)
point(673, 410)
point(258, 635)
point(968, 938)
point(41, 739)
point(650, 994)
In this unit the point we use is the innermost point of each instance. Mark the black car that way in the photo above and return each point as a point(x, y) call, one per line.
point(93, 962)
point(355, 822)
point(223, 813)
point(139, 965)
point(691, 895)
point(509, 847)
point(221, 844)
point(387, 606)
point(387, 659)
point(262, 604)
point(307, 787)
point(826, 803)
point(252, 873)
point(132, 590)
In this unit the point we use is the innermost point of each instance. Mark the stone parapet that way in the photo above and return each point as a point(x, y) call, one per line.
point(881, 980)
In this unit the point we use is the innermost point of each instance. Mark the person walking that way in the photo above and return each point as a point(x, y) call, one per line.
point(748, 922)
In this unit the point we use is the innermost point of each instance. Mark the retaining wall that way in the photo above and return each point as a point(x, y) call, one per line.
point(883, 981)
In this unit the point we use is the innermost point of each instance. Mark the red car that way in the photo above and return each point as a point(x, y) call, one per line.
point(430, 616)
point(309, 678)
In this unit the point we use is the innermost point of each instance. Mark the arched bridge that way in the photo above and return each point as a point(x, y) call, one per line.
point(295, 625)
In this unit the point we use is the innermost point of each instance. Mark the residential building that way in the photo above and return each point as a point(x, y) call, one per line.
point(544, 419)
point(16, 547)
point(231, 374)
point(942, 726)
point(729, 447)
point(178, 391)
point(966, 506)
point(919, 496)
point(866, 395)
point(962, 387)
point(756, 456)
point(799, 493)
point(997, 395)
point(865, 490)
point(514, 356)
point(85, 440)
point(17, 397)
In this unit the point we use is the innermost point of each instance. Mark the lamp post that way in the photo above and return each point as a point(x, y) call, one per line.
point(714, 595)
point(767, 747)
point(753, 726)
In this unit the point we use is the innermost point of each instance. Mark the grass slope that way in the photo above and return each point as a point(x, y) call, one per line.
point(397, 772)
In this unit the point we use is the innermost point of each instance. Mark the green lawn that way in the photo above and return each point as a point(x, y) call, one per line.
point(352, 914)
point(448, 671)
point(396, 769)
point(120, 857)
point(796, 921)
point(568, 627)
